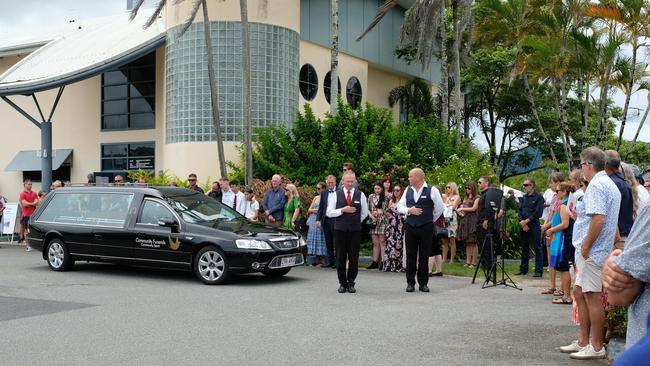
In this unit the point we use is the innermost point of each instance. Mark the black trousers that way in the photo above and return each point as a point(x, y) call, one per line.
point(347, 248)
point(418, 241)
point(534, 236)
point(327, 225)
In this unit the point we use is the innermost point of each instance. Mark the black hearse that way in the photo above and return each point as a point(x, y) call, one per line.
point(159, 227)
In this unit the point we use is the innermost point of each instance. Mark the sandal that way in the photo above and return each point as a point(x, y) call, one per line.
point(558, 293)
point(563, 301)
point(548, 291)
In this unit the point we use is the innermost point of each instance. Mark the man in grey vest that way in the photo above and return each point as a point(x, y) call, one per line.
point(422, 205)
point(350, 207)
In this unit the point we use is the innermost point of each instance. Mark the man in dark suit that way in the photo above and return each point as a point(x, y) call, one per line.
point(325, 223)
point(350, 207)
point(489, 205)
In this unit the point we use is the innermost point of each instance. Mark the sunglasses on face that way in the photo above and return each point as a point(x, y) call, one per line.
point(192, 180)
point(527, 184)
point(448, 187)
point(118, 181)
point(397, 190)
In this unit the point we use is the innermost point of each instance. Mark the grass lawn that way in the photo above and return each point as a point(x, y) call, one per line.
point(458, 269)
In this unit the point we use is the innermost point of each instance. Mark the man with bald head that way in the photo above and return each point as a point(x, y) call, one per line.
point(422, 205)
point(274, 201)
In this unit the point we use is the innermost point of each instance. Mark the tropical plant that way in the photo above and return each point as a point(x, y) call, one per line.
point(415, 97)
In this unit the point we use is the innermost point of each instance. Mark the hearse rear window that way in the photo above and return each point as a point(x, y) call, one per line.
point(91, 209)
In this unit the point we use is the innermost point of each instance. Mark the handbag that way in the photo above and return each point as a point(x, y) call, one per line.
point(439, 229)
point(369, 224)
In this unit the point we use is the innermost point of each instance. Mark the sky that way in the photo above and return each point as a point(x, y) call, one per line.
point(39, 16)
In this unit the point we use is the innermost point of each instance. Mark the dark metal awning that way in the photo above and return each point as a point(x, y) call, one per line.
point(30, 160)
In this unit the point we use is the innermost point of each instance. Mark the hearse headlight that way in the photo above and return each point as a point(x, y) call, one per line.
point(252, 244)
point(302, 241)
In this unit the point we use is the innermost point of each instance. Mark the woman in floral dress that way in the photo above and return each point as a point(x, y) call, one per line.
point(394, 234)
point(316, 245)
point(377, 204)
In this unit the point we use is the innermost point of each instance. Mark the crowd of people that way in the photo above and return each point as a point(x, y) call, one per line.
point(596, 224)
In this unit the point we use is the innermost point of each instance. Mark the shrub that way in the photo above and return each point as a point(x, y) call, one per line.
point(366, 137)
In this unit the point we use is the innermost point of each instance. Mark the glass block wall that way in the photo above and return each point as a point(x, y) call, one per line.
point(274, 80)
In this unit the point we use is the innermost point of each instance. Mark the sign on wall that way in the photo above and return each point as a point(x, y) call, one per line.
point(9, 218)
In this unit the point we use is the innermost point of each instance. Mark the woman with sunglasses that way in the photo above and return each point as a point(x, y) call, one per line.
point(394, 254)
point(467, 228)
point(451, 199)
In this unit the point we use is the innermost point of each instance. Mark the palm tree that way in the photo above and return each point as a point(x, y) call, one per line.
point(211, 70)
point(510, 22)
point(423, 28)
point(415, 96)
point(460, 19)
point(246, 89)
point(334, 60)
point(633, 18)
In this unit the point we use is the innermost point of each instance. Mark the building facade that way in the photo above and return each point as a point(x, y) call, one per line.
point(154, 112)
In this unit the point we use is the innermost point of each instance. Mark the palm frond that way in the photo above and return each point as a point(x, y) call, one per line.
point(188, 22)
point(603, 11)
point(136, 8)
point(384, 9)
point(156, 13)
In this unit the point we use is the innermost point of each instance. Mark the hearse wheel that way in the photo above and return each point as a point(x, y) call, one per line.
point(211, 266)
point(58, 256)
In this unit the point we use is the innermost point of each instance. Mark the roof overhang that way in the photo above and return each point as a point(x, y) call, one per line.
point(30, 160)
point(100, 45)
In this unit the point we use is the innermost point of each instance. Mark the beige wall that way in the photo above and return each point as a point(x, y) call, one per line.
point(284, 13)
point(76, 124)
point(200, 158)
point(376, 82)
point(319, 58)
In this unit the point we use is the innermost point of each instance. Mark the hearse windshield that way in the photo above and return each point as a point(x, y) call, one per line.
point(196, 208)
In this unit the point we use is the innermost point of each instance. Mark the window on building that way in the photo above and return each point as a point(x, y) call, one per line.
point(128, 95)
point(308, 82)
point(128, 156)
point(327, 85)
point(353, 92)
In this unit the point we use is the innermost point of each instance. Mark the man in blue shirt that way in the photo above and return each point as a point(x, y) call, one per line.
point(625, 220)
point(274, 200)
point(531, 210)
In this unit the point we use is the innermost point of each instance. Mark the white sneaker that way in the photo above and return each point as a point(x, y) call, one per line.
point(29, 249)
point(589, 353)
point(572, 348)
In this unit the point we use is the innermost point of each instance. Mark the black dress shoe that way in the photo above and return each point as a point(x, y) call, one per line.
point(342, 289)
point(537, 274)
point(351, 289)
point(435, 274)
point(410, 288)
point(373, 265)
point(520, 273)
point(424, 288)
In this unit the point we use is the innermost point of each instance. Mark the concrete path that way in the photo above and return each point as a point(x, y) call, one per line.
point(103, 314)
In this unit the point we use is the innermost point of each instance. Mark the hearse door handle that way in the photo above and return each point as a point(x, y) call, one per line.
point(98, 236)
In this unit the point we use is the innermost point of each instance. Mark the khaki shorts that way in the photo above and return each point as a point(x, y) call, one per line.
point(588, 277)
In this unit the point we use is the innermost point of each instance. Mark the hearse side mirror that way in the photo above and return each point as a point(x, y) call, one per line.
point(167, 222)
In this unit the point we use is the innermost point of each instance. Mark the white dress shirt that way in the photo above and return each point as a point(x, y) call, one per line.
point(250, 209)
point(241, 203)
point(332, 211)
point(228, 198)
point(438, 206)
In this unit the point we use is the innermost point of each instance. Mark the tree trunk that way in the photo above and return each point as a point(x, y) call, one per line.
point(334, 61)
point(565, 122)
point(444, 68)
point(213, 90)
point(558, 117)
point(628, 93)
point(638, 130)
point(246, 89)
point(493, 135)
point(531, 100)
point(456, 105)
